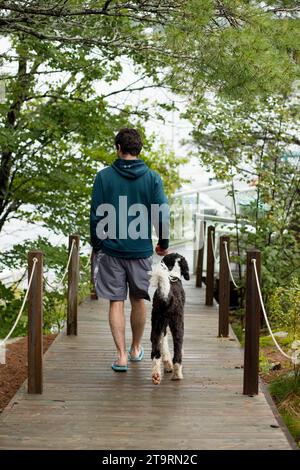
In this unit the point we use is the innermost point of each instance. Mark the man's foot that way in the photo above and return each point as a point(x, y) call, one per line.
point(122, 360)
point(117, 368)
point(136, 354)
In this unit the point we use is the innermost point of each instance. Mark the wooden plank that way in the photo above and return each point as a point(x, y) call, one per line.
point(78, 407)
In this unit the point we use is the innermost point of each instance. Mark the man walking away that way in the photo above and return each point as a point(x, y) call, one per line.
point(125, 195)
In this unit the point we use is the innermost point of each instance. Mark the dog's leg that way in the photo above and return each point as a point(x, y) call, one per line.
point(177, 333)
point(177, 372)
point(156, 356)
point(156, 371)
point(166, 355)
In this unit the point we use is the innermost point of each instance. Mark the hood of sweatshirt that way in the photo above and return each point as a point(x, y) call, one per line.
point(131, 169)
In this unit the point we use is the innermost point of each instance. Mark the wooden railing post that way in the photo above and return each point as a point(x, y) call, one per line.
point(93, 294)
point(73, 278)
point(35, 323)
point(200, 256)
point(252, 326)
point(210, 266)
point(224, 289)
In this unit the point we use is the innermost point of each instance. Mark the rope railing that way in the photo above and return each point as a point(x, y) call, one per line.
point(213, 247)
point(291, 358)
point(34, 296)
point(23, 304)
point(229, 268)
point(254, 305)
point(88, 261)
point(52, 286)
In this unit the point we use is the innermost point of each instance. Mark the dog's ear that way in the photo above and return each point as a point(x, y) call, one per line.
point(184, 268)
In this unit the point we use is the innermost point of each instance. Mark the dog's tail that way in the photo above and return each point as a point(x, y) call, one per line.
point(159, 278)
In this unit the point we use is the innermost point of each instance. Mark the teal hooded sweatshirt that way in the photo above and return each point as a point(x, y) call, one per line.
point(117, 191)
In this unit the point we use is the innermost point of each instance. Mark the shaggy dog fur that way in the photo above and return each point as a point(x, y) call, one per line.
point(167, 312)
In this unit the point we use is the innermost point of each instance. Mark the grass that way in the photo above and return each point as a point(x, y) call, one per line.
point(236, 321)
point(267, 341)
point(264, 364)
point(283, 383)
point(285, 391)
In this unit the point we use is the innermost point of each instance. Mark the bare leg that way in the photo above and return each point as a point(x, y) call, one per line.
point(117, 326)
point(137, 321)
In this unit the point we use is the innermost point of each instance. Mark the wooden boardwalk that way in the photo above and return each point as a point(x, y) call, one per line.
point(85, 405)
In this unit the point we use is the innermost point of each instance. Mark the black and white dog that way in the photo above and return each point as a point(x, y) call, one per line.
point(167, 312)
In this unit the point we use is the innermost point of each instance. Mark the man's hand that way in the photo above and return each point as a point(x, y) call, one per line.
point(160, 252)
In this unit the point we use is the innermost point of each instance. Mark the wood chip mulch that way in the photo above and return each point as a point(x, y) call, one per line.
point(14, 371)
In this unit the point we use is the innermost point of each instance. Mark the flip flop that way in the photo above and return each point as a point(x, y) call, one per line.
point(139, 358)
point(118, 368)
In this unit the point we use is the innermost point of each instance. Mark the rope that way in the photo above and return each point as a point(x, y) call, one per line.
point(229, 268)
point(66, 270)
point(88, 261)
point(213, 247)
point(23, 303)
point(291, 358)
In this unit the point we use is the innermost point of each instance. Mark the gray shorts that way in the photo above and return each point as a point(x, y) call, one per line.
point(113, 276)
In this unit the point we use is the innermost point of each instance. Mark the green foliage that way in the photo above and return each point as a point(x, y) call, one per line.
point(292, 420)
point(10, 304)
point(55, 294)
point(57, 123)
point(285, 308)
point(264, 364)
point(239, 331)
point(252, 144)
point(57, 128)
point(55, 257)
point(166, 164)
point(239, 49)
point(286, 393)
point(54, 311)
point(267, 340)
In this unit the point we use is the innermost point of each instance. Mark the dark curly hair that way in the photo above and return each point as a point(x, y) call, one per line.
point(129, 140)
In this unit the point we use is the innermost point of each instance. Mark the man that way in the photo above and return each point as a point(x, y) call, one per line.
point(127, 199)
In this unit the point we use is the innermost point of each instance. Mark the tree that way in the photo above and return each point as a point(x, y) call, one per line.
point(56, 130)
point(236, 48)
point(258, 144)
